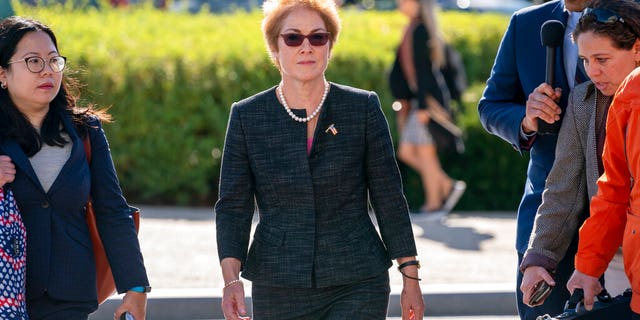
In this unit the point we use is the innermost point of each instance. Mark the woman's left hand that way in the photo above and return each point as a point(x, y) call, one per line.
point(135, 303)
point(411, 301)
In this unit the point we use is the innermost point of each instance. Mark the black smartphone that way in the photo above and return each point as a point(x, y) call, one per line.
point(540, 292)
point(127, 316)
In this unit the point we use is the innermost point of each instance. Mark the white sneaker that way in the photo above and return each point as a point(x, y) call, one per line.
point(457, 190)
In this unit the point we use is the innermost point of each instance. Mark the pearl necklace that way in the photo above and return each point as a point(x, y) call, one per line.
point(315, 112)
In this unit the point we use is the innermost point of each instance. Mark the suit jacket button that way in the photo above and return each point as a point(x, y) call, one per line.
point(45, 204)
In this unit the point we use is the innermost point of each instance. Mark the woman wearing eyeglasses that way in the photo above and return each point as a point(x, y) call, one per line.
point(614, 210)
point(312, 155)
point(608, 44)
point(42, 159)
point(415, 80)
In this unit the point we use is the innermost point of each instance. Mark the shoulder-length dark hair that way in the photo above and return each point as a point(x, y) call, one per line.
point(13, 124)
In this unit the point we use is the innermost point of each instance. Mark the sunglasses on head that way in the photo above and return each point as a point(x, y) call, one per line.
point(603, 15)
point(315, 39)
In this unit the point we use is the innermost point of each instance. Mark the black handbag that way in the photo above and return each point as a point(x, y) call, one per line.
point(446, 142)
point(605, 307)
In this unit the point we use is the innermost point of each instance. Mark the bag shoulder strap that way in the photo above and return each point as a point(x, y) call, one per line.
point(86, 141)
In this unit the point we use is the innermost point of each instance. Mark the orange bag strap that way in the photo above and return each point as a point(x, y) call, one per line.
point(87, 147)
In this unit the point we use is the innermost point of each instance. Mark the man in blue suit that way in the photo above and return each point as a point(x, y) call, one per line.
point(515, 100)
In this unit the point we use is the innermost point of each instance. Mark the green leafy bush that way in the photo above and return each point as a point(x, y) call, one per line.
point(170, 78)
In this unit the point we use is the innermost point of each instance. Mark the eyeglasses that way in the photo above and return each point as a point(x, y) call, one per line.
point(36, 64)
point(315, 39)
point(602, 15)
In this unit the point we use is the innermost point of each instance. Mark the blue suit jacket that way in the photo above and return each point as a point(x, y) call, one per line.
point(59, 251)
point(314, 227)
point(518, 69)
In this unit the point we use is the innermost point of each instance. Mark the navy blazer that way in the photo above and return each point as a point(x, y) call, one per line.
point(314, 228)
point(518, 69)
point(60, 257)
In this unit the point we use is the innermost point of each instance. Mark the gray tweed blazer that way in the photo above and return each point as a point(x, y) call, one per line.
point(314, 228)
point(572, 180)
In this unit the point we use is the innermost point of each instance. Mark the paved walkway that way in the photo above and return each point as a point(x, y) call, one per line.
point(468, 264)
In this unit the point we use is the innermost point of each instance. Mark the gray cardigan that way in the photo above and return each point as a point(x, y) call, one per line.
point(571, 182)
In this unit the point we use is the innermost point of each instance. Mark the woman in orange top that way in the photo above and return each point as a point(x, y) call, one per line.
point(615, 209)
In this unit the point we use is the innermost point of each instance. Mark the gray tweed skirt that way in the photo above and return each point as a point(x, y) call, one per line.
point(415, 132)
point(366, 299)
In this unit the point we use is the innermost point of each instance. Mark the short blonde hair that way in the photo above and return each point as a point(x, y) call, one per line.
point(275, 11)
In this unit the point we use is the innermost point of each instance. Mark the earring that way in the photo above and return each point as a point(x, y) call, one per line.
point(3, 85)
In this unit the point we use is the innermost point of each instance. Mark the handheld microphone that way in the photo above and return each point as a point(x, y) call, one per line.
point(551, 35)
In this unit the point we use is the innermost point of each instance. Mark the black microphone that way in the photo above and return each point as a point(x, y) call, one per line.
point(551, 35)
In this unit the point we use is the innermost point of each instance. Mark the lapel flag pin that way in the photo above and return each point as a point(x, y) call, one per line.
point(332, 129)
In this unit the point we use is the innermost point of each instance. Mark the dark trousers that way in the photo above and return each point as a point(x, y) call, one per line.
point(635, 316)
point(366, 300)
point(554, 304)
point(47, 308)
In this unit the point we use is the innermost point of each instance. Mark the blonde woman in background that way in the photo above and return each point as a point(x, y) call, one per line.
point(416, 82)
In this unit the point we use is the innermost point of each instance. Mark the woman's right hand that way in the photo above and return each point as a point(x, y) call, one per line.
point(531, 276)
point(233, 305)
point(7, 170)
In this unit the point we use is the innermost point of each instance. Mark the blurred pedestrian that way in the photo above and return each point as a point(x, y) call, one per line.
point(420, 88)
point(313, 155)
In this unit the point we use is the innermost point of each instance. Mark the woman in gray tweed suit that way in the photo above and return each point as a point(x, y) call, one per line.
point(607, 38)
point(312, 155)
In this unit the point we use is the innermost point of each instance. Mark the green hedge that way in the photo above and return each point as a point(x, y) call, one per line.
point(170, 78)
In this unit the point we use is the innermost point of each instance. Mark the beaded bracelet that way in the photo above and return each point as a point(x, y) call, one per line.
point(232, 282)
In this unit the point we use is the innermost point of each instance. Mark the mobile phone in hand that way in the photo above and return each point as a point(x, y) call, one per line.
point(127, 316)
point(540, 292)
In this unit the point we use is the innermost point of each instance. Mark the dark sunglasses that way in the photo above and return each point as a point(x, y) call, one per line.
point(315, 39)
point(602, 15)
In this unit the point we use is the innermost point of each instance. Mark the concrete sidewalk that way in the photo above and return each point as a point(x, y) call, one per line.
point(468, 259)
